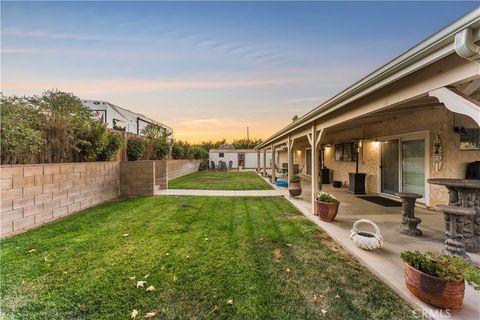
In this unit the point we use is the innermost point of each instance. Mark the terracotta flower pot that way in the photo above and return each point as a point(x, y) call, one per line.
point(295, 189)
point(326, 211)
point(434, 290)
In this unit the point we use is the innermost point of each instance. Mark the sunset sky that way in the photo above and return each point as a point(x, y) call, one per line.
point(209, 70)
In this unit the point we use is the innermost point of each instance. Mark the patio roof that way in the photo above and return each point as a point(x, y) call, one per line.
point(424, 54)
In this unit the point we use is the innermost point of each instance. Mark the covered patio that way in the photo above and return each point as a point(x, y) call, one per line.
point(386, 262)
point(416, 118)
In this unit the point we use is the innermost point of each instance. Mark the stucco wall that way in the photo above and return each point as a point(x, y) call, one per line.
point(33, 195)
point(437, 121)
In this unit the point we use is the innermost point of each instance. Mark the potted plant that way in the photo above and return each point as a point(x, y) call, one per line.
point(326, 206)
point(439, 280)
point(294, 186)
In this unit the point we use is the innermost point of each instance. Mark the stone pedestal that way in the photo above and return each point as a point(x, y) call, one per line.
point(465, 193)
point(455, 218)
point(409, 221)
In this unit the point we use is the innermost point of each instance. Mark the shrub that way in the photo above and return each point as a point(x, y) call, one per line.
point(92, 141)
point(21, 137)
point(182, 150)
point(114, 144)
point(199, 153)
point(295, 178)
point(135, 149)
point(448, 268)
point(158, 141)
point(326, 197)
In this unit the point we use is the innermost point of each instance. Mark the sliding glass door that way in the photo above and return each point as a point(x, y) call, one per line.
point(413, 166)
point(390, 166)
point(403, 166)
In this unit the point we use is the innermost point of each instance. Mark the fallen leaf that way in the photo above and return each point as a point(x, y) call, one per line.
point(323, 311)
point(141, 283)
point(278, 254)
point(45, 259)
point(151, 288)
point(125, 235)
point(288, 270)
point(131, 278)
point(187, 257)
point(175, 278)
point(215, 308)
point(167, 254)
point(289, 244)
point(230, 301)
point(337, 296)
point(150, 314)
point(23, 282)
point(134, 314)
point(31, 250)
point(145, 277)
point(65, 272)
point(206, 239)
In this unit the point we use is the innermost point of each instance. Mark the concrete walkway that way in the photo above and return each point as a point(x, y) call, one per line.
point(225, 193)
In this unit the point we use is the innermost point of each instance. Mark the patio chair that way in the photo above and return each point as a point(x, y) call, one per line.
point(212, 166)
point(222, 166)
point(300, 170)
point(230, 165)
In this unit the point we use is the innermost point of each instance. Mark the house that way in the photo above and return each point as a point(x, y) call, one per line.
point(244, 158)
point(121, 119)
point(416, 117)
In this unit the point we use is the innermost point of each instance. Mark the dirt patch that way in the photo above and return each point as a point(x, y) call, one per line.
point(330, 243)
point(278, 254)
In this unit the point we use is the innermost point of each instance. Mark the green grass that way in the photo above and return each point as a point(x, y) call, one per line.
point(208, 180)
point(216, 249)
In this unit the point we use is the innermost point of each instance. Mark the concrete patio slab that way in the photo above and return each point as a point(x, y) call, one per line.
point(386, 262)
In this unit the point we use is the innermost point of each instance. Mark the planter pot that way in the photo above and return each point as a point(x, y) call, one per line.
point(433, 290)
point(326, 211)
point(295, 189)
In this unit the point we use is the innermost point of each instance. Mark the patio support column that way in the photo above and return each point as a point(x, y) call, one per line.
point(274, 167)
point(264, 162)
point(315, 138)
point(258, 160)
point(290, 157)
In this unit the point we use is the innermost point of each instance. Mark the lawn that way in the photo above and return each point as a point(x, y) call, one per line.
point(209, 180)
point(199, 253)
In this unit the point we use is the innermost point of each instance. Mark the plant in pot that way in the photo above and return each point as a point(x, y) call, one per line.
point(326, 206)
point(439, 280)
point(295, 186)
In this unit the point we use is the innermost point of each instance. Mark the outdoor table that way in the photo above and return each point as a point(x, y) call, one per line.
point(409, 221)
point(463, 193)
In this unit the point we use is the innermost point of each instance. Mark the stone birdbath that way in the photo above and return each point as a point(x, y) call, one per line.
point(462, 223)
point(409, 221)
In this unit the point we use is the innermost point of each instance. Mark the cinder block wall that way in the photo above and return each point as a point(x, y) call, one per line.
point(179, 168)
point(32, 195)
point(137, 178)
point(161, 174)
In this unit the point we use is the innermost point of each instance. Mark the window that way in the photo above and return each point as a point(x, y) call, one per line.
point(221, 155)
point(118, 124)
point(345, 152)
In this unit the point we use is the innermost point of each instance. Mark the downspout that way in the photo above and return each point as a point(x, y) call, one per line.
point(465, 44)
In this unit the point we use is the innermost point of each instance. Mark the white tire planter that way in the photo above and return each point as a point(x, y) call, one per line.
point(364, 239)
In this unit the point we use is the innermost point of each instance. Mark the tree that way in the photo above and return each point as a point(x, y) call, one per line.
point(20, 135)
point(64, 122)
point(158, 140)
point(182, 150)
point(245, 143)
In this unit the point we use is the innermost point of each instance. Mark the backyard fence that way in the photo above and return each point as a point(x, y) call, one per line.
point(35, 194)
